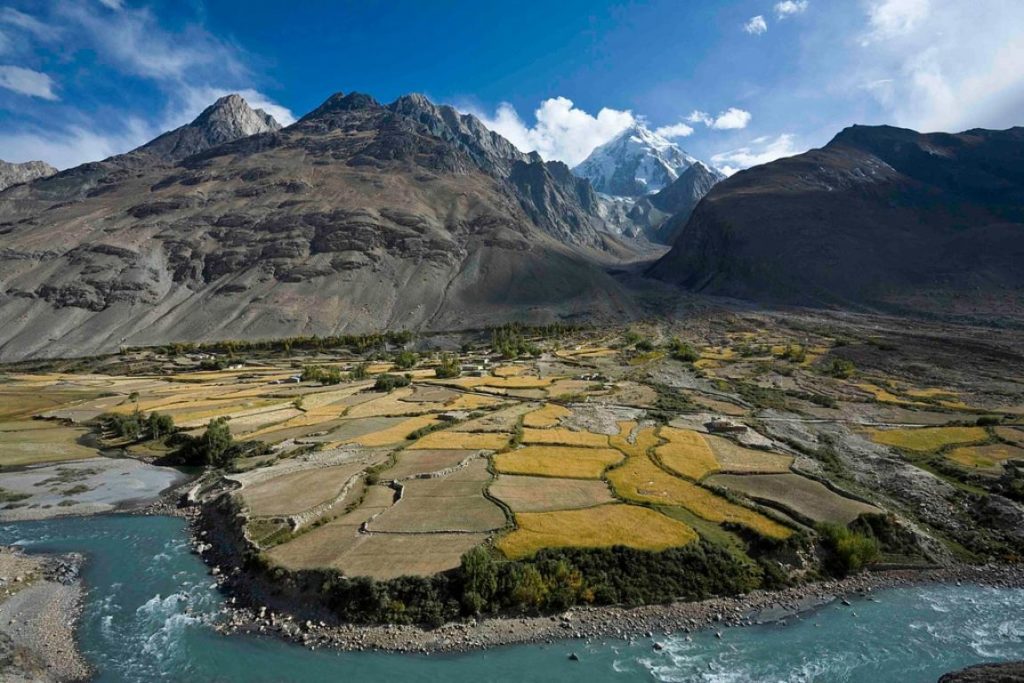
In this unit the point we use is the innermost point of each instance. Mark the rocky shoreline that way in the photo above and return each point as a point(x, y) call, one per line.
point(588, 623)
point(40, 605)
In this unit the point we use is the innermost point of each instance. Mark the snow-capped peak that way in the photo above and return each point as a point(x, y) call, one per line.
point(635, 162)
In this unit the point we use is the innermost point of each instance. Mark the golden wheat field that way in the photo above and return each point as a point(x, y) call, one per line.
point(557, 461)
point(545, 417)
point(564, 437)
point(641, 480)
point(685, 452)
point(492, 441)
point(633, 440)
point(597, 527)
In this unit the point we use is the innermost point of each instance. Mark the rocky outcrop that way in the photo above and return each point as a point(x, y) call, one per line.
point(15, 174)
point(881, 218)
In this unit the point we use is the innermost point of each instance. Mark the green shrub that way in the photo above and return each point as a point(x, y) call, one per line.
point(846, 552)
point(681, 351)
point(841, 368)
point(406, 360)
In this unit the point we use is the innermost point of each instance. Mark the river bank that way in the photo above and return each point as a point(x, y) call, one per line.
point(627, 624)
point(40, 605)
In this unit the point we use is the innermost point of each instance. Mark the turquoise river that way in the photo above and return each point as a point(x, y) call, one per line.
point(149, 601)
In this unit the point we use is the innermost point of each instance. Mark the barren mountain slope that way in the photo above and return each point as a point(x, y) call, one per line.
point(880, 217)
point(358, 217)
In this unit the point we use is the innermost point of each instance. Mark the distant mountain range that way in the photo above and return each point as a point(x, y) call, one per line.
point(364, 216)
point(881, 217)
point(360, 216)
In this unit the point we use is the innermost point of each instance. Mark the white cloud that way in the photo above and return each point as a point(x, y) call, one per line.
point(943, 66)
point(29, 24)
point(27, 82)
point(676, 130)
point(74, 145)
point(561, 132)
point(890, 18)
point(191, 67)
point(135, 42)
point(788, 8)
point(756, 26)
point(730, 119)
point(759, 151)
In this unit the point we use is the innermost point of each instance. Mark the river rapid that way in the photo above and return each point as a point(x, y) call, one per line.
point(150, 602)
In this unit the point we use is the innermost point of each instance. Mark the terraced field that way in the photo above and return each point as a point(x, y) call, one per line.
point(807, 498)
point(595, 527)
point(544, 494)
point(639, 479)
point(686, 453)
point(564, 437)
point(732, 457)
point(31, 442)
point(300, 490)
point(557, 461)
point(990, 457)
point(927, 439)
point(453, 503)
point(523, 456)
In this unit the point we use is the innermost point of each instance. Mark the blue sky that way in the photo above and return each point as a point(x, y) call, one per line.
point(736, 83)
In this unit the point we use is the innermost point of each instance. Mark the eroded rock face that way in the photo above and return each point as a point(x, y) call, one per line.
point(14, 174)
point(360, 216)
point(880, 217)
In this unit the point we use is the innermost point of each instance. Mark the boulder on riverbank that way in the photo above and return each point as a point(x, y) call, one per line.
point(1008, 672)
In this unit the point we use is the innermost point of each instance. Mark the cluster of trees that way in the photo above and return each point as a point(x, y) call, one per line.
point(448, 367)
point(387, 382)
point(511, 342)
point(333, 375)
point(215, 447)
point(137, 426)
point(319, 373)
point(552, 581)
point(356, 342)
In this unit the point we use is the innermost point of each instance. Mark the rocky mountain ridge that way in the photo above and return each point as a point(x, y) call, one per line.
point(14, 174)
